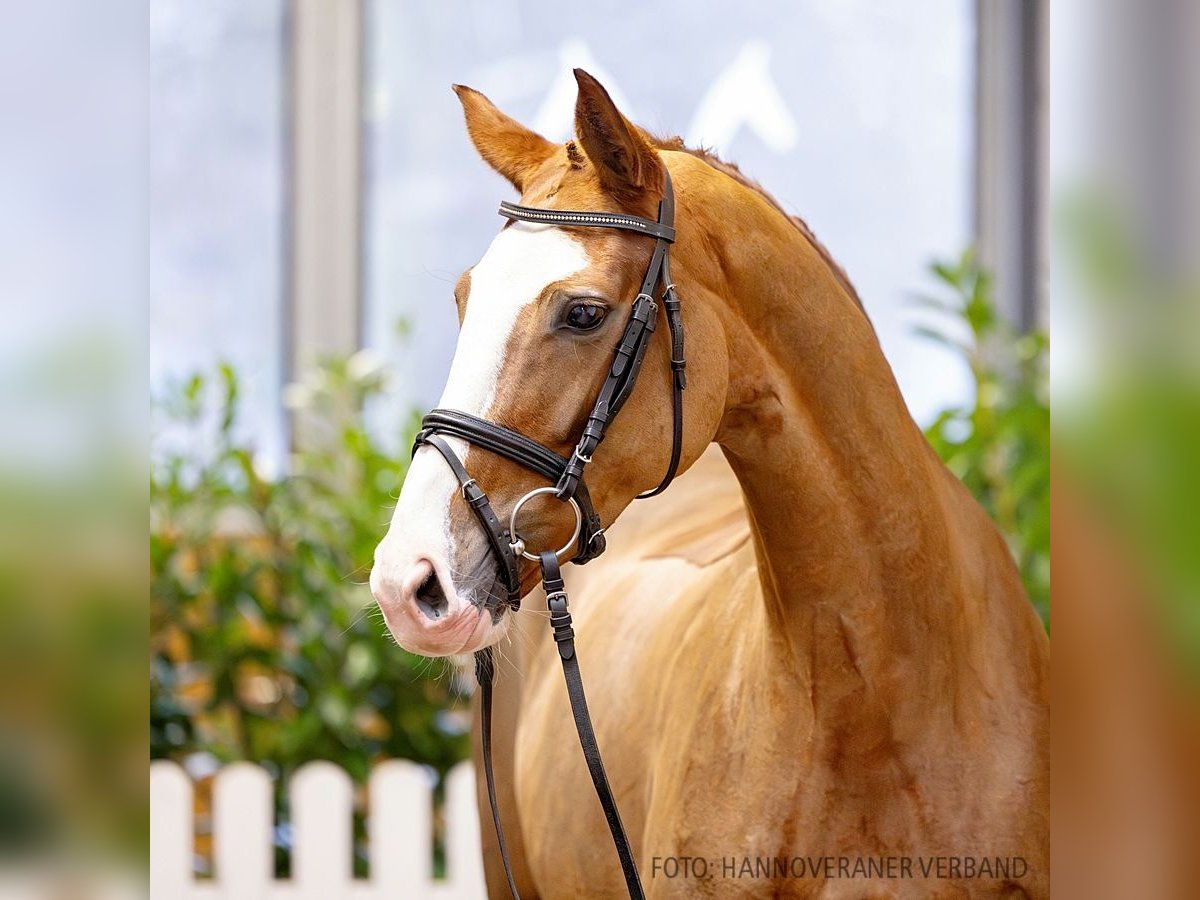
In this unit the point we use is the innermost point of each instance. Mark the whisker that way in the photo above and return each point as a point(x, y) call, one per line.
point(505, 658)
point(355, 571)
point(365, 612)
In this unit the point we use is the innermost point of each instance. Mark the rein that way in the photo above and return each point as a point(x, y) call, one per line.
point(566, 475)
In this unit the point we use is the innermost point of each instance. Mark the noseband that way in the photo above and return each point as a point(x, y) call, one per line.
point(566, 475)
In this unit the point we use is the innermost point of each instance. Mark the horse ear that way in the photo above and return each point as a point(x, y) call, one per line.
point(625, 162)
point(505, 144)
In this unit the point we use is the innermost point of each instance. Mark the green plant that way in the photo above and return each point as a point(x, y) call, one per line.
point(999, 442)
point(266, 644)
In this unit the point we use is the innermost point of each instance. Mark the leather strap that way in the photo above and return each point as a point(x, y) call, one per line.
point(627, 361)
point(485, 673)
point(564, 636)
point(662, 229)
point(497, 535)
point(514, 446)
point(618, 385)
point(502, 441)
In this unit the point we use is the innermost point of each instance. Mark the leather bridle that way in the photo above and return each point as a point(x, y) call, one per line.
point(566, 475)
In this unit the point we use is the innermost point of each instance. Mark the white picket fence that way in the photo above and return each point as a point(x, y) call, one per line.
point(399, 833)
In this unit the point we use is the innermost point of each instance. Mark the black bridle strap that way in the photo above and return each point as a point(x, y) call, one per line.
point(485, 673)
point(564, 637)
point(497, 535)
point(678, 378)
point(627, 361)
point(515, 447)
point(662, 229)
point(512, 445)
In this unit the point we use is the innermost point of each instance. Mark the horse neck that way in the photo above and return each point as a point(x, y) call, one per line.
point(850, 510)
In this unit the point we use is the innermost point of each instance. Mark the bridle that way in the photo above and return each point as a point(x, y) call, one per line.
point(566, 474)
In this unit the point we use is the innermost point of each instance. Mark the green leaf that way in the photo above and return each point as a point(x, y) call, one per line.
point(1002, 453)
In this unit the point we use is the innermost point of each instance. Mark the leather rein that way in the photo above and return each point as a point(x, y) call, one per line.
point(566, 475)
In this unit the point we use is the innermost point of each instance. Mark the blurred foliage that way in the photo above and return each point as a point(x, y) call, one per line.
point(998, 443)
point(72, 586)
point(1128, 418)
point(265, 642)
point(72, 689)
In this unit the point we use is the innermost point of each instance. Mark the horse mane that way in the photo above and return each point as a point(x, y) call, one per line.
point(708, 156)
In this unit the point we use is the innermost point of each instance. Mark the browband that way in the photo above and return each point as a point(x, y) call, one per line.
point(664, 232)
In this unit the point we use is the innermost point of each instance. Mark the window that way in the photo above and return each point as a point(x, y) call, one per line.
point(218, 200)
point(857, 116)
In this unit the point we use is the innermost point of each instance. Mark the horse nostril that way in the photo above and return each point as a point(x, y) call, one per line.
point(431, 599)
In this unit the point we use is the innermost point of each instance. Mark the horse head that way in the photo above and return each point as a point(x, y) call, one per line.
point(540, 315)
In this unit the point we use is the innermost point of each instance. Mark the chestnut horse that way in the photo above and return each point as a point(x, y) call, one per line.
point(823, 679)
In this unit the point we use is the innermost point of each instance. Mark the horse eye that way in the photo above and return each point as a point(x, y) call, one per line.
point(585, 316)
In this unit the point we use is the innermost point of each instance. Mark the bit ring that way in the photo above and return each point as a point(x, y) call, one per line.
point(518, 545)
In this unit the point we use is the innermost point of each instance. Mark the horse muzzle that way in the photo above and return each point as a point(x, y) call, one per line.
point(429, 615)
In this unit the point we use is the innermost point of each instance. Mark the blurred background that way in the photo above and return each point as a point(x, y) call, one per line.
point(255, 212)
point(313, 198)
point(313, 190)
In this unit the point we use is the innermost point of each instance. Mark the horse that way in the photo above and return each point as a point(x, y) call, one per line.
point(812, 665)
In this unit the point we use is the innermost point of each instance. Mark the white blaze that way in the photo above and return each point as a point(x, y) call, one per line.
point(518, 265)
point(521, 261)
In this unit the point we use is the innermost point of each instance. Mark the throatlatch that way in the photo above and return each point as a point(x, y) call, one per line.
point(566, 474)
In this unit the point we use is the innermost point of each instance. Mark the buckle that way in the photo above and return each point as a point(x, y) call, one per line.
point(651, 306)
